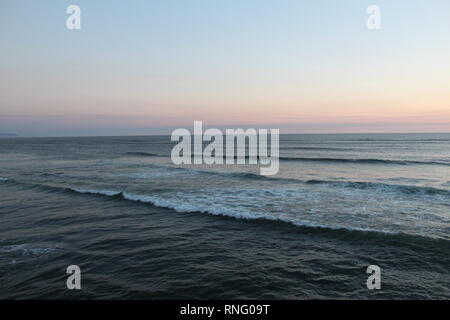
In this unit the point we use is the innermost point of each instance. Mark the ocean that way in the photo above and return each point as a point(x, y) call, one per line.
point(140, 227)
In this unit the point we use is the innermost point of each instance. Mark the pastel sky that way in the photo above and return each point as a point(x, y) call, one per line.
point(145, 67)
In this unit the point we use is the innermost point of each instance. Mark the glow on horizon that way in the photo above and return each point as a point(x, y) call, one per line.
point(148, 66)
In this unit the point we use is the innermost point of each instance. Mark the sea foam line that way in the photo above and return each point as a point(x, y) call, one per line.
point(361, 185)
point(238, 214)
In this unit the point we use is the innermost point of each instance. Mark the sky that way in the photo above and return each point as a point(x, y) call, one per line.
point(147, 67)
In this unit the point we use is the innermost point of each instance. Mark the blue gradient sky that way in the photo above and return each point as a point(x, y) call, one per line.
point(145, 67)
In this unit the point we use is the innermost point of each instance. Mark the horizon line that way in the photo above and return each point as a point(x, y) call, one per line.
point(168, 134)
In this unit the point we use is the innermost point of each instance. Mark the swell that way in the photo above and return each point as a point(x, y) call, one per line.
point(359, 185)
point(311, 227)
point(384, 187)
point(397, 140)
point(406, 189)
point(317, 148)
point(359, 233)
point(140, 154)
point(311, 159)
point(367, 161)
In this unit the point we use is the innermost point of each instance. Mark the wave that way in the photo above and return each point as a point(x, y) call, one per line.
point(359, 185)
point(406, 189)
point(178, 205)
point(172, 170)
point(141, 154)
point(368, 161)
point(394, 140)
point(308, 226)
point(317, 148)
point(384, 187)
point(93, 191)
point(323, 160)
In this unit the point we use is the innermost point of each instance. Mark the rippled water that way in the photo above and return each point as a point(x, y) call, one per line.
point(140, 227)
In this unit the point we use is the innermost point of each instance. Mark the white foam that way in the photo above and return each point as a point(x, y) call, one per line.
point(27, 249)
point(240, 214)
point(185, 205)
point(102, 192)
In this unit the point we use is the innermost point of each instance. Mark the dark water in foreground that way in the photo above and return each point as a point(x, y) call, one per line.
point(139, 227)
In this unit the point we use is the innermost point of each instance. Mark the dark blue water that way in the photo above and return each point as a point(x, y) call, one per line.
point(140, 227)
